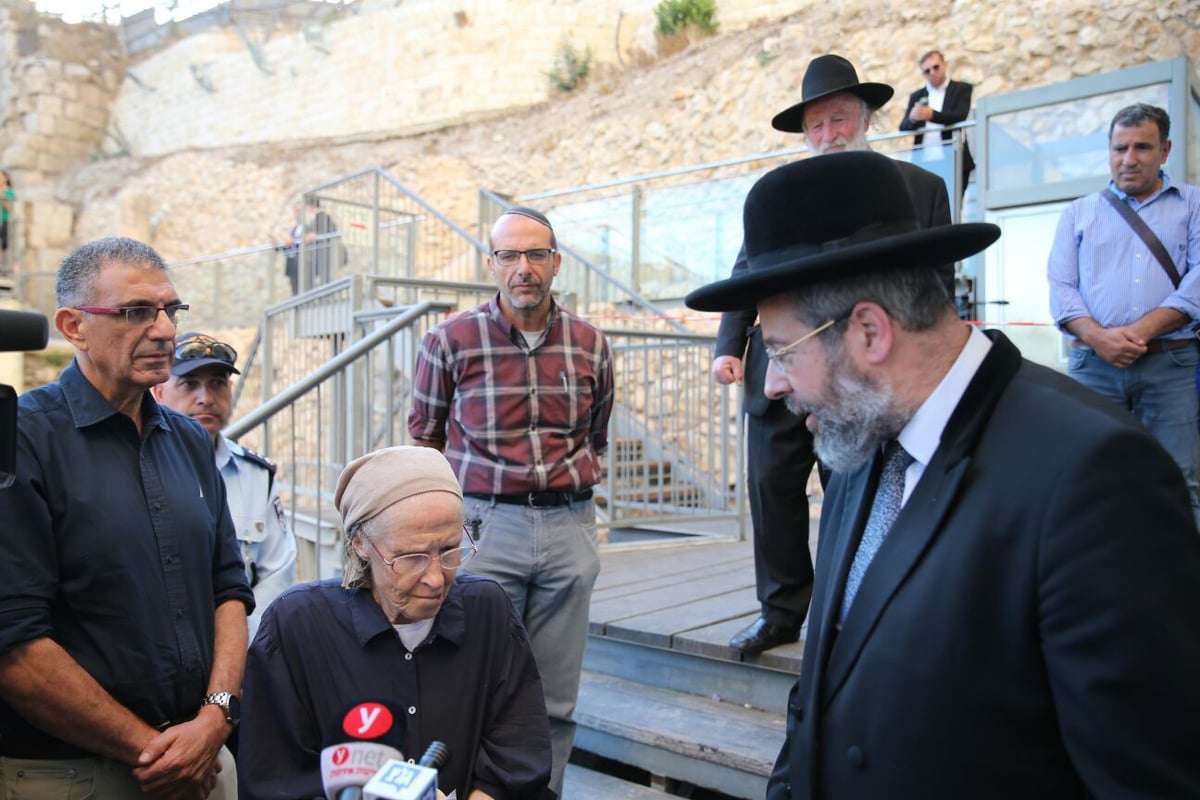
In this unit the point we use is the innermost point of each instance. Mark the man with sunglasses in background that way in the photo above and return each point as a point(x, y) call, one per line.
point(200, 387)
point(517, 393)
point(939, 103)
point(123, 600)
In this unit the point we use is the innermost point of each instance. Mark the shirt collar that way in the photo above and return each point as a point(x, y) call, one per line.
point(923, 433)
point(1166, 184)
point(368, 620)
point(88, 406)
point(506, 326)
point(225, 451)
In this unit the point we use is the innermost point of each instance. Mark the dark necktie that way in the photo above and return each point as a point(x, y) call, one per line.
point(884, 510)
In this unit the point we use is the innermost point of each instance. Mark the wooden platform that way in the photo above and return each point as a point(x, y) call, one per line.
point(689, 594)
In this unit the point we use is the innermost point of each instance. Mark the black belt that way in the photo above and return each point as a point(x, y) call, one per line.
point(40, 749)
point(537, 499)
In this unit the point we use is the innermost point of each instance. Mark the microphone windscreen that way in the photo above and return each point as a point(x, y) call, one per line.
point(23, 330)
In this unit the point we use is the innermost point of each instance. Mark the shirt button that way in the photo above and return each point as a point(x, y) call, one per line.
point(855, 757)
point(412, 709)
point(408, 656)
point(179, 612)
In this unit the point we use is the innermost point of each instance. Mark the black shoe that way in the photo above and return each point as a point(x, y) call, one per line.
point(763, 635)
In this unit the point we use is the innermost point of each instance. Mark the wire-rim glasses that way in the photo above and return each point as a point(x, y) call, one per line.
point(417, 563)
point(140, 316)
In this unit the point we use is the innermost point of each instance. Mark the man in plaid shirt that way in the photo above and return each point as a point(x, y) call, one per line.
point(517, 393)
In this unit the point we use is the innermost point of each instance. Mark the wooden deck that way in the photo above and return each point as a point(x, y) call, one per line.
point(690, 594)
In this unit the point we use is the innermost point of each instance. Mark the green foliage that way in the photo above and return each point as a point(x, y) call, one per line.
point(675, 15)
point(570, 67)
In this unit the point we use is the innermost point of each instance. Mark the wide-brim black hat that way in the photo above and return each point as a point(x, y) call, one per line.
point(831, 217)
point(828, 75)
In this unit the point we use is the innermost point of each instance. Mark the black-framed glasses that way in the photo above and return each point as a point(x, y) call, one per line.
point(537, 256)
point(416, 563)
point(141, 316)
point(201, 346)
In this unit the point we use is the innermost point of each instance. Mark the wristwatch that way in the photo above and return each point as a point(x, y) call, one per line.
point(228, 702)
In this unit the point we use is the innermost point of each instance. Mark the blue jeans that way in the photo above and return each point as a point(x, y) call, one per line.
point(1159, 389)
point(547, 560)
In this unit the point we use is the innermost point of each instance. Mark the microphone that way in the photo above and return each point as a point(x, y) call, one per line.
point(23, 330)
point(348, 765)
point(435, 756)
point(398, 780)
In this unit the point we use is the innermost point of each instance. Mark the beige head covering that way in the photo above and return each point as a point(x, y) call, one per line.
point(371, 483)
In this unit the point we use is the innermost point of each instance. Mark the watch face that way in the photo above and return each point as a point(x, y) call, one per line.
point(233, 710)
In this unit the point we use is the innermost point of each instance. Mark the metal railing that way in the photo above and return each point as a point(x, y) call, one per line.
point(333, 379)
point(349, 395)
point(664, 233)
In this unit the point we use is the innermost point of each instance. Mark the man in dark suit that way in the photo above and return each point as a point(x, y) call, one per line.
point(835, 112)
point(940, 102)
point(1006, 597)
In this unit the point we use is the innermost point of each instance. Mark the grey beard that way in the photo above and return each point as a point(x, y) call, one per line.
point(858, 417)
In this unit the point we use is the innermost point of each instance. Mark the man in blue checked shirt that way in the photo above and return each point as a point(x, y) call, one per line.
point(1131, 319)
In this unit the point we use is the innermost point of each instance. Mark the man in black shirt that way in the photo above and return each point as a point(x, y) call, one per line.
point(123, 599)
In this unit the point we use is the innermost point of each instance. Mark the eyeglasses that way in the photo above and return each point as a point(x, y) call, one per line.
point(416, 563)
point(201, 346)
point(536, 257)
point(141, 316)
point(930, 68)
point(778, 356)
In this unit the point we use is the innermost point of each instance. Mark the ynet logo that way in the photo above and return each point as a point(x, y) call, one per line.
point(341, 756)
point(367, 721)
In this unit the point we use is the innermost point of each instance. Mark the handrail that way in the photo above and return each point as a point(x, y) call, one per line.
point(729, 162)
point(380, 172)
point(331, 367)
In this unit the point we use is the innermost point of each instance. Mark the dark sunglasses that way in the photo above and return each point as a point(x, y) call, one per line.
point(205, 347)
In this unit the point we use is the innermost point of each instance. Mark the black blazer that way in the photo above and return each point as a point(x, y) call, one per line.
point(955, 109)
point(738, 334)
point(1029, 626)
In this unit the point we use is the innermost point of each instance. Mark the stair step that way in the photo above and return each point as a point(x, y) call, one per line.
point(722, 746)
point(581, 782)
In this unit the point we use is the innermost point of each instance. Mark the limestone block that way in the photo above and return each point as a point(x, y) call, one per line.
point(20, 156)
point(48, 104)
point(76, 72)
point(48, 224)
point(136, 210)
point(67, 90)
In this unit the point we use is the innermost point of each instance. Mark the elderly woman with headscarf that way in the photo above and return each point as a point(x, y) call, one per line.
point(402, 651)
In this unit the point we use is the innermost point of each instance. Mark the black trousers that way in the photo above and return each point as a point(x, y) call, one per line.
point(780, 458)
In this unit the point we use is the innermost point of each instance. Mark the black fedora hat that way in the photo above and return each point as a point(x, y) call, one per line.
point(828, 75)
point(833, 217)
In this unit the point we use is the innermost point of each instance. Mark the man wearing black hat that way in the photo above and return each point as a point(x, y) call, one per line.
point(1005, 601)
point(199, 387)
point(835, 112)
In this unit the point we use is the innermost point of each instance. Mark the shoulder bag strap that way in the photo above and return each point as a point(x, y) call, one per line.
point(1143, 231)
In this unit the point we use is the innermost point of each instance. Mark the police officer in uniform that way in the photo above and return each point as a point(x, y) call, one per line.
point(200, 387)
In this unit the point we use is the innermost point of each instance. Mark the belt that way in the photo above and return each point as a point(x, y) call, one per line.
point(1155, 345)
point(44, 749)
point(537, 499)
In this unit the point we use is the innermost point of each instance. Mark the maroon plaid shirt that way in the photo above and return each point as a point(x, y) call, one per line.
point(513, 419)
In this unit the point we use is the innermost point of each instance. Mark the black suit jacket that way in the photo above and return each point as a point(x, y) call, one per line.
point(738, 334)
point(955, 109)
point(1029, 626)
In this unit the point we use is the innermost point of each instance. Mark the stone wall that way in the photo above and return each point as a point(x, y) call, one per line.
point(57, 85)
point(219, 143)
